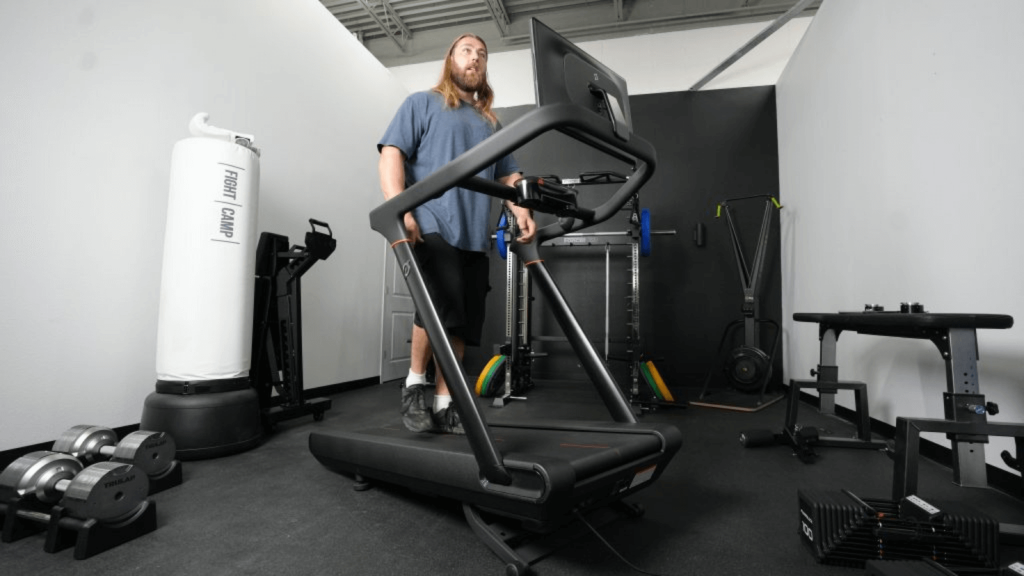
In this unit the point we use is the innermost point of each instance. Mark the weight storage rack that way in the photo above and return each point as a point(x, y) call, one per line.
point(22, 517)
point(507, 375)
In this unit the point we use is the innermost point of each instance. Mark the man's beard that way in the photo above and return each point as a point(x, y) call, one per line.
point(467, 82)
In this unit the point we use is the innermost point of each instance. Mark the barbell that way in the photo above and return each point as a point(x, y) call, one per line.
point(502, 243)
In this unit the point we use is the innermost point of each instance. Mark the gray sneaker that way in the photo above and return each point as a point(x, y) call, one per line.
point(448, 421)
point(415, 414)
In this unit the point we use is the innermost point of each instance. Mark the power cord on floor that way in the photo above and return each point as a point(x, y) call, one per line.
point(610, 547)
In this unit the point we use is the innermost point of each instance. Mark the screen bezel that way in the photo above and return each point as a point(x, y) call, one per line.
point(565, 74)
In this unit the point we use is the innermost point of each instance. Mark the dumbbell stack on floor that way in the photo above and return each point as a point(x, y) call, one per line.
point(81, 502)
point(150, 452)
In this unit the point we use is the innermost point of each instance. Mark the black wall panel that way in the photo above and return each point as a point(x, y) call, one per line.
point(711, 146)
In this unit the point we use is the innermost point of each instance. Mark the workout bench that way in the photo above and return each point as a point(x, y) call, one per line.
point(965, 423)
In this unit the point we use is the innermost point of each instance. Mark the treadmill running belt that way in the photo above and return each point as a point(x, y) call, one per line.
point(556, 466)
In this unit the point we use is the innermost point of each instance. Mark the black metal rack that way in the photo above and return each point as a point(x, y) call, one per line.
point(22, 517)
point(277, 324)
point(515, 357)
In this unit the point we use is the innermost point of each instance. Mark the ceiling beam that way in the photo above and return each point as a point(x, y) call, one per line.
point(391, 17)
point(500, 15)
point(663, 22)
point(760, 37)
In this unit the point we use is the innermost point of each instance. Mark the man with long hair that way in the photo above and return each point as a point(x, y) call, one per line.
point(450, 233)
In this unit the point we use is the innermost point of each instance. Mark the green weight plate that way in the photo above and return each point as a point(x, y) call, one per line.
point(495, 379)
point(649, 379)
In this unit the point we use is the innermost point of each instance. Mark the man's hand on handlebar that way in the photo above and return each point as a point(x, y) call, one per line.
point(412, 228)
point(524, 216)
point(524, 221)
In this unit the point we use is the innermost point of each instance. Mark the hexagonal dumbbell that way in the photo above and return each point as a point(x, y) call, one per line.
point(151, 452)
point(106, 491)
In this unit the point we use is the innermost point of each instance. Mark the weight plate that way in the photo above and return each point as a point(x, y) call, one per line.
point(36, 474)
point(660, 382)
point(84, 442)
point(486, 384)
point(151, 452)
point(107, 491)
point(746, 367)
point(649, 379)
point(500, 237)
point(645, 232)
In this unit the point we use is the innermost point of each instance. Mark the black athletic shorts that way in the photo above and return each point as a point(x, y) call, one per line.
point(457, 282)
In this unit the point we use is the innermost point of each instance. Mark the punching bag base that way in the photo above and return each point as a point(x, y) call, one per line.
point(206, 425)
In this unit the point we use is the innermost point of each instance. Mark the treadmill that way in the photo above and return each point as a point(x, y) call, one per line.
point(533, 477)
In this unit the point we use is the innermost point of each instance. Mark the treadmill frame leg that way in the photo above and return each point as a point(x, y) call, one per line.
point(497, 537)
point(520, 548)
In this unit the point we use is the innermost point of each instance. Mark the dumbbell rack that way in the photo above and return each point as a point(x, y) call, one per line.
point(169, 479)
point(23, 517)
point(150, 450)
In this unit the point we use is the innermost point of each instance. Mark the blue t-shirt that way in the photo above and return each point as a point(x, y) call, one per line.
point(431, 135)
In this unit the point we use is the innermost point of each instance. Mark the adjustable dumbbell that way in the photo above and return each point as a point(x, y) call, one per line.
point(151, 452)
point(106, 491)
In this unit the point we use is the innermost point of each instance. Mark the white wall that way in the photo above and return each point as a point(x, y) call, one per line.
point(95, 94)
point(653, 63)
point(900, 168)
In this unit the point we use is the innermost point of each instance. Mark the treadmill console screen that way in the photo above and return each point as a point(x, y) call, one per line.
point(564, 74)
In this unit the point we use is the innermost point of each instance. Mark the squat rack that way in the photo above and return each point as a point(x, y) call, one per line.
point(516, 355)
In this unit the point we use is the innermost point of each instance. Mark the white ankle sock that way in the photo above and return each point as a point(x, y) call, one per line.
point(413, 378)
point(441, 402)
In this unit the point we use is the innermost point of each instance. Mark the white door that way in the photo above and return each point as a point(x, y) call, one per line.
point(396, 323)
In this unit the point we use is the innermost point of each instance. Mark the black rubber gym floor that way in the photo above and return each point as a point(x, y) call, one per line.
point(718, 508)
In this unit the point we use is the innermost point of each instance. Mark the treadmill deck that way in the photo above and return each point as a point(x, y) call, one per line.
point(556, 466)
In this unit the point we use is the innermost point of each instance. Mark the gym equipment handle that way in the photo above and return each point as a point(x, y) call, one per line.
point(580, 124)
point(313, 223)
point(725, 203)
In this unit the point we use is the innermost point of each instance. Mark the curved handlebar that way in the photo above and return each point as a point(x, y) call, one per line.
point(583, 125)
